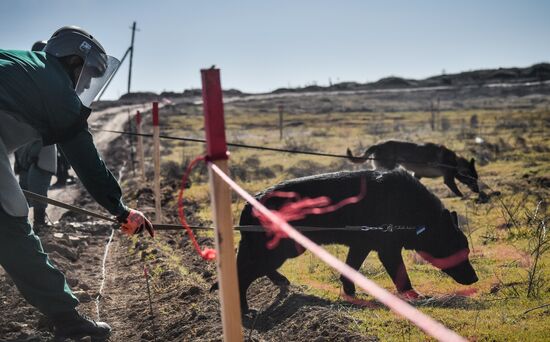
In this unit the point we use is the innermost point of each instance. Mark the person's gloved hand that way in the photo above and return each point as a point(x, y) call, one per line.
point(135, 222)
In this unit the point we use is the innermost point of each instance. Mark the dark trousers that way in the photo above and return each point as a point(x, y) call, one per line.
point(23, 258)
point(38, 181)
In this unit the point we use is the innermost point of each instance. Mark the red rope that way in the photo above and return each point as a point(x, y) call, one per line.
point(297, 208)
point(207, 253)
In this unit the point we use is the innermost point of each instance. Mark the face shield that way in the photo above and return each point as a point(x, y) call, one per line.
point(96, 72)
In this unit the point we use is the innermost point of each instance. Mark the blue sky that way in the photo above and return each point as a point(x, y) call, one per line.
point(264, 45)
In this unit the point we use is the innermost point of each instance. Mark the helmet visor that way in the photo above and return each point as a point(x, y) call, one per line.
point(96, 72)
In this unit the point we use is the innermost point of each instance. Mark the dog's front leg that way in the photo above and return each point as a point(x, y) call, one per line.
point(355, 258)
point(449, 180)
point(394, 265)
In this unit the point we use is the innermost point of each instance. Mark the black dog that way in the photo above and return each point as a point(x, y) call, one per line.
point(393, 198)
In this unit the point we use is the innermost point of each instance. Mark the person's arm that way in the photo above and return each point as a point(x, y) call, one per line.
point(83, 156)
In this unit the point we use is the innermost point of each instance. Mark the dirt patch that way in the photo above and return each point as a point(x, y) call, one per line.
point(183, 307)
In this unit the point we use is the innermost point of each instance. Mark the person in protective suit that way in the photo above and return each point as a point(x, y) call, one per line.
point(35, 165)
point(46, 96)
point(62, 174)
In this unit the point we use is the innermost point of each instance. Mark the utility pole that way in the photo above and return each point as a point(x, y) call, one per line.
point(130, 51)
point(131, 55)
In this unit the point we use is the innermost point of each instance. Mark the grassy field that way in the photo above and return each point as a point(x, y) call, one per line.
point(513, 160)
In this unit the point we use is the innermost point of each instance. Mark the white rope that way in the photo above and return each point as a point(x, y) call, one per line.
point(103, 272)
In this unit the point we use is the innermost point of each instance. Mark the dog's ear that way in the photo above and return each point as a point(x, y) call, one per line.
point(472, 161)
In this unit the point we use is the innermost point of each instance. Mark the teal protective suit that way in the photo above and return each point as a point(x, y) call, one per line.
point(38, 102)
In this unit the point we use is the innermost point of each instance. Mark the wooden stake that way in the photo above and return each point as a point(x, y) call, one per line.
point(221, 205)
point(156, 159)
point(140, 152)
point(280, 122)
point(131, 143)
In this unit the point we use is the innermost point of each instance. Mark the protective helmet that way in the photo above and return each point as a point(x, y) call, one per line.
point(39, 45)
point(98, 66)
point(72, 40)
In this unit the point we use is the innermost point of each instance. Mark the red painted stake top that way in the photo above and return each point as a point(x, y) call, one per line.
point(214, 125)
point(155, 113)
point(138, 117)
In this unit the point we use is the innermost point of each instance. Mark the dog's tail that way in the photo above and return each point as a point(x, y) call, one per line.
point(362, 159)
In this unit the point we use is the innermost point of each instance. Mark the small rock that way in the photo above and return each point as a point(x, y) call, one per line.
point(18, 316)
point(83, 297)
point(75, 240)
point(146, 335)
point(16, 326)
point(84, 286)
point(101, 230)
point(73, 282)
point(167, 274)
point(62, 250)
point(192, 291)
point(23, 336)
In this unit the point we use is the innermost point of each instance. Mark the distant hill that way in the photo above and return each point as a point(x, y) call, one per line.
point(536, 73)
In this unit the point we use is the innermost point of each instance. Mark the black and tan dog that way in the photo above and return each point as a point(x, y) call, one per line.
point(392, 198)
point(424, 160)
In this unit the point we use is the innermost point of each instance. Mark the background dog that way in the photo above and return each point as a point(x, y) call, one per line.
point(423, 160)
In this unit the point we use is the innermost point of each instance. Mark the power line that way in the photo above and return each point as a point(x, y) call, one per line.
point(273, 149)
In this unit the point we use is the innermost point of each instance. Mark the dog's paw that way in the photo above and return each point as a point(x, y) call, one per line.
point(410, 295)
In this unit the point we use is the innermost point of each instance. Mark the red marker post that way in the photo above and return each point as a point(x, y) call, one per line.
point(156, 160)
point(221, 205)
point(140, 152)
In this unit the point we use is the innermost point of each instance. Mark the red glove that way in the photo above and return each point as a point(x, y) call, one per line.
point(135, 222)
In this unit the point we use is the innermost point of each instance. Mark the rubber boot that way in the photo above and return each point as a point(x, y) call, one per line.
point(61, 182)
point(73, 325)
point(39, 221)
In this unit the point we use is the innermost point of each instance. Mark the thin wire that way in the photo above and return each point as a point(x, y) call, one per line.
point(273, 149)
point(322, 154)
point(103, 272)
